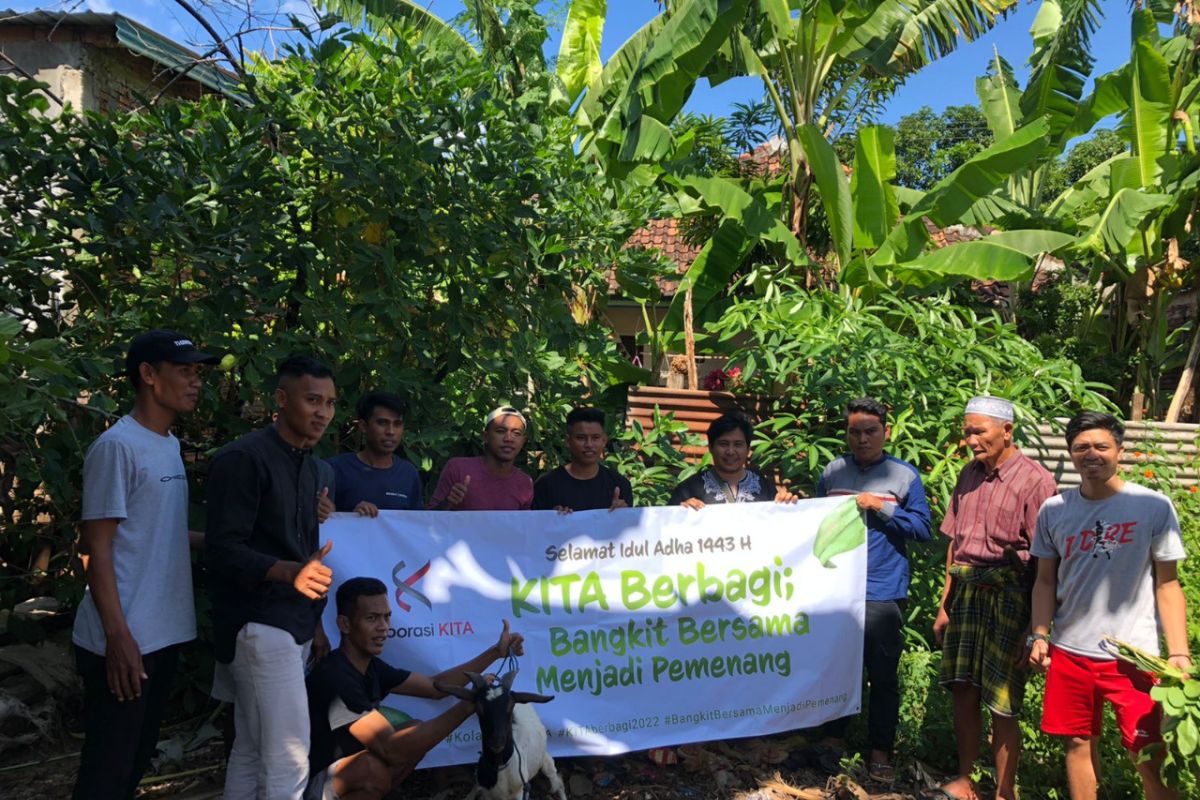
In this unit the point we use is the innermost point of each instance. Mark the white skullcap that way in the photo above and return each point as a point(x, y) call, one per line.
point(504, 411)
point(995, 407)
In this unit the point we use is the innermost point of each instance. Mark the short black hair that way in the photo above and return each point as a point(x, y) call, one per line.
point(299, 366)
point(135, 373)
point(349, 592)
point(727, 423)
point(585, 415)
point(867, 405)
point(1095, 420)
point(372, 400)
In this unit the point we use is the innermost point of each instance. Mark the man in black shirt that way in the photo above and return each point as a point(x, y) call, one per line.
point(583, 483)
point(728, 480)
point(356, 750)
point(267, 583)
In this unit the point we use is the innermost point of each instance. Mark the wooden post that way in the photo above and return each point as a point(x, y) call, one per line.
point(1185, 380)
point(689, 340)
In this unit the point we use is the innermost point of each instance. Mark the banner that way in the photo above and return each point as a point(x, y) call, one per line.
point(651, 626)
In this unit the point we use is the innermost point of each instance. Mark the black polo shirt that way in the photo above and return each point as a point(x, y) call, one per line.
point(262, 508)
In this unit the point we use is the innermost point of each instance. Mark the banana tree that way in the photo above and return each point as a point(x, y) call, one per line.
point(1131, 214)
point(814, 58)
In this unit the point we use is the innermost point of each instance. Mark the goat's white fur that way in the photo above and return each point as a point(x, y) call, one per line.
point(528, 759)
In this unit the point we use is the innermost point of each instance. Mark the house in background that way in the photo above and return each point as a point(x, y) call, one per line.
point(103, 62)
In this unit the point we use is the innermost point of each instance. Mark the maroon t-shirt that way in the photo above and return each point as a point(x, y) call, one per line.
point(487, 491)
point(991, 510)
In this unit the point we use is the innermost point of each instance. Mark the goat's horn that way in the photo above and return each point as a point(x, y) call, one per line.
point(507, 679)
point(477, 680)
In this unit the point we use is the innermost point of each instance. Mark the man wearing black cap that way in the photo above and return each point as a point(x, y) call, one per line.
point(137, 609)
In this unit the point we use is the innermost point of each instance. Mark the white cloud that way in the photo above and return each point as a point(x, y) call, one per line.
point(99, 6)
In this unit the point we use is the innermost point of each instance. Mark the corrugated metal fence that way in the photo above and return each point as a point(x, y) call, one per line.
point(1148, 445)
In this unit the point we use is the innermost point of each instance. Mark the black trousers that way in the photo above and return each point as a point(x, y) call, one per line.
point(882, 645)
point(120, 738)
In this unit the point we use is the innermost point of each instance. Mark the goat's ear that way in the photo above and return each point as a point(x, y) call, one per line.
point(530, 697)
point(462, 693)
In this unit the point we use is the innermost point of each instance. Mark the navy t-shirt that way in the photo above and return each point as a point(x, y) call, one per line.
point(397, 487)
point(338, 695)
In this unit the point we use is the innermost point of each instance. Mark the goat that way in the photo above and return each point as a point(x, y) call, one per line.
point(514, 739)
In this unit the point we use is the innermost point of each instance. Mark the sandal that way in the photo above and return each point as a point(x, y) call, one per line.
point(941, 793)
point(827, 759)
point(881, 772)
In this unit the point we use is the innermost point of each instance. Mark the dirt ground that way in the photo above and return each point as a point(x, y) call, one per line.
point(765, 768)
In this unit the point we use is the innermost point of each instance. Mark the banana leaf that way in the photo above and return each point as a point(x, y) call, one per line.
point(832, 185)
point(579, 64)
point(1061, 62)
point(875, 207)
point(392, 16)
point(1006, 256)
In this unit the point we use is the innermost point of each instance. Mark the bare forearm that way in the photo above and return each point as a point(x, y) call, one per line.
point(455, 675)
point(946, 581)
point(1172, 610)
point(1044, 599)
point(409, 745)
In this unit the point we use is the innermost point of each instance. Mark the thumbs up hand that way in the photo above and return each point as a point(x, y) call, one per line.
point(458, 492)
point(314, 578)
point(617, 500)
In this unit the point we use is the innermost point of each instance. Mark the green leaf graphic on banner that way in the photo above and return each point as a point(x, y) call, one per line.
point(840, 532)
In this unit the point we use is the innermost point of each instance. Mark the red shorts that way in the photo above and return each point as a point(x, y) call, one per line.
point(1076, 688)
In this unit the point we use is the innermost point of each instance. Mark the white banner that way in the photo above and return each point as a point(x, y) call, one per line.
point(651, 626)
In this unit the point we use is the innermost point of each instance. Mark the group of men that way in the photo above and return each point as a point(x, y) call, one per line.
point(1022, 564)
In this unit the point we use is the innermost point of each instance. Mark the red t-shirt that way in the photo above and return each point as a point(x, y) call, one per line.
point(487, 491)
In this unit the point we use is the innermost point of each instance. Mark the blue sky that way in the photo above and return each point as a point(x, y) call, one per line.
point(950, 81)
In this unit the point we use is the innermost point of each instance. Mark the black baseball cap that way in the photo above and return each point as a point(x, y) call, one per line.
point(164, 345)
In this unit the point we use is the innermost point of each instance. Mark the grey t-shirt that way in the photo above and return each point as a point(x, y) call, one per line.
point(1105, 549)
point(135, 475)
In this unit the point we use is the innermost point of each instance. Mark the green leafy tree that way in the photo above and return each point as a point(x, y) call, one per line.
point(747, 126)
point(930, 146)
point(395, 209)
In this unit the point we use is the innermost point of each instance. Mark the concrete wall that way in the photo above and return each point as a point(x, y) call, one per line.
point(58, 64)
point(85, 68)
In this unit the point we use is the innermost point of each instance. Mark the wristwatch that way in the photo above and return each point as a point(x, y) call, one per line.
point(1036, 637)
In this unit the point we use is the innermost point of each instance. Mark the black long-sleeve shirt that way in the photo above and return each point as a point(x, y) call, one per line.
point(262, 508)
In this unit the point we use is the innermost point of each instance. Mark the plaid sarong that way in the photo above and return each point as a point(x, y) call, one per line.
point(989, 613)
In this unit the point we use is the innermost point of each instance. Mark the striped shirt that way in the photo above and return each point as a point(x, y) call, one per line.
point(993, 510)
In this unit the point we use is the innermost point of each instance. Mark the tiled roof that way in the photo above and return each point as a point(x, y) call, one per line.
point(665, 236)
point(766, 159)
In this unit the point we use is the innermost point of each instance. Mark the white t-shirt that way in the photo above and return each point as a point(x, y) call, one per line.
point(1105, 549)
point(135, 475)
